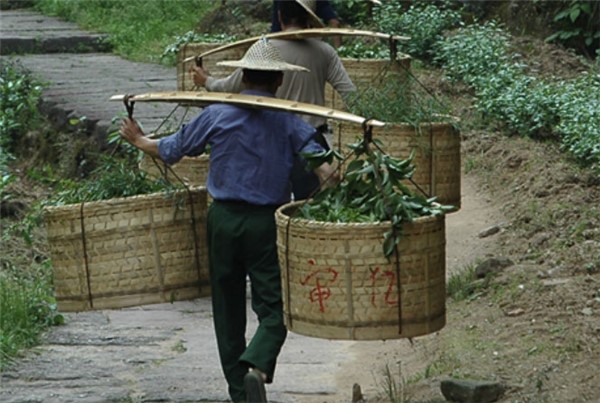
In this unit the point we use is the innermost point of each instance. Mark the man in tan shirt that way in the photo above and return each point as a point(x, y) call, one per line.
point(325, 66)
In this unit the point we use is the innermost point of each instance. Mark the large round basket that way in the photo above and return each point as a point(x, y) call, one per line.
point(193, 171)
point(366, 73)
point(337, 283)
point(184, 82)
point(437, 154)
point(129, 251)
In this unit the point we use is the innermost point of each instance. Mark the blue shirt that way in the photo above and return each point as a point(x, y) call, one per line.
point(251, 150)
point(324, 11)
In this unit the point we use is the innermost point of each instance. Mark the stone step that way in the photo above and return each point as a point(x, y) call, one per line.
point(25, 31)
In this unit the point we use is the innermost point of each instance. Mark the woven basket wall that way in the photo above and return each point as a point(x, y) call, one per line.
point(366, 73)
point(184, 82)
point(192, 170)
point(129, 251)
point(337, 284)
point(437, 154)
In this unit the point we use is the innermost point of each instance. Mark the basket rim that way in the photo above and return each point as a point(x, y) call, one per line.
point(399, 57)
point(66, 207)
point(201, 157)
point(452, 120)
point(280, 212)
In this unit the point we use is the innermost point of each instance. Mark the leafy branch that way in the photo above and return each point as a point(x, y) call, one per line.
point(373, 189)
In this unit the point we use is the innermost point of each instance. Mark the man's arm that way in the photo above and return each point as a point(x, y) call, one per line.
point(231, 83)
point(338, 77)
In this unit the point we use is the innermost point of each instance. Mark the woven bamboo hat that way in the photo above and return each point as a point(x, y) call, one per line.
point(311, 7)
point(262, 55)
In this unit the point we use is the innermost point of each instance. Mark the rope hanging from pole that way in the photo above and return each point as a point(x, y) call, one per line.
point(129, 106)
point(368, 140)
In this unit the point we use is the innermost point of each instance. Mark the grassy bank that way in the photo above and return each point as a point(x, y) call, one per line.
point(139, 29)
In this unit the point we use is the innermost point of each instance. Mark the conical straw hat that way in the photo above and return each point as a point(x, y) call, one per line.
point(262, 55)
point(311, 7)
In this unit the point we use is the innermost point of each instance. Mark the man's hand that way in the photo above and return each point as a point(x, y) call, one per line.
point(132, 133)
point(199, 75)
point(328, 175)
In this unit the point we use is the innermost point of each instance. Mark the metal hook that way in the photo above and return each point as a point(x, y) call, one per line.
point(129, 105)
point(393, 48)
point(367, 131)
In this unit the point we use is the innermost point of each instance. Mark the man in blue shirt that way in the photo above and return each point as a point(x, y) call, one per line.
point(251, 158)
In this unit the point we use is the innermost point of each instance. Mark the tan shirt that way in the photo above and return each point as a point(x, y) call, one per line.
point(319, 57)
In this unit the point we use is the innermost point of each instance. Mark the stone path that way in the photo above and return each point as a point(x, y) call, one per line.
point(81, 84)
point(167, 352)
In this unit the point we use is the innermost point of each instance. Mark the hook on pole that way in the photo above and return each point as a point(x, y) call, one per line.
point(367, 131)
point(393, 44)
point(128, 105)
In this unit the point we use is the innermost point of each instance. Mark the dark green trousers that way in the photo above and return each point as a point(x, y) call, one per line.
point(242, 242)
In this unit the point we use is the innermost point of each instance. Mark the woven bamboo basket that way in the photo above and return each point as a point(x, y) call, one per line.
point(437, 154)
point(337, 284)
point(129, 251)
point(192, 170)
point(184, 82)
point(366, 73)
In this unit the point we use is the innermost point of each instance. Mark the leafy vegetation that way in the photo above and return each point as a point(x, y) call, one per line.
point(354, 13)
point(137, 29)
point(479, 56)
point(26, 303)
point(424, 23)
point(27, 308)
point(373, 189)
point(361, 50)
point(19, 95)
point(477, 53)
point(169, 55)
point(577, 25)
point(114, 177)
point(578, 117)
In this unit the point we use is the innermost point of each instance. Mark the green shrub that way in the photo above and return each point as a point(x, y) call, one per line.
point(579, 118)
point(479, 56)
point(169, 55)
point(423, 23)
point(525, 105)
point(19, 96)
point(475, 54)
point(576, 25)
point(114, 177)
point(27, 307)
point(361, 50)
point(354, 13)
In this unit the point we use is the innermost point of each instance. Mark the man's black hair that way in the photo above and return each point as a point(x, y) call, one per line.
point(293, 13)
point(261, 77)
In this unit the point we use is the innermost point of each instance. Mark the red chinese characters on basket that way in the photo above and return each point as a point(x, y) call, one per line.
point(321, 292)
point(322, 279)
point(389, 277)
